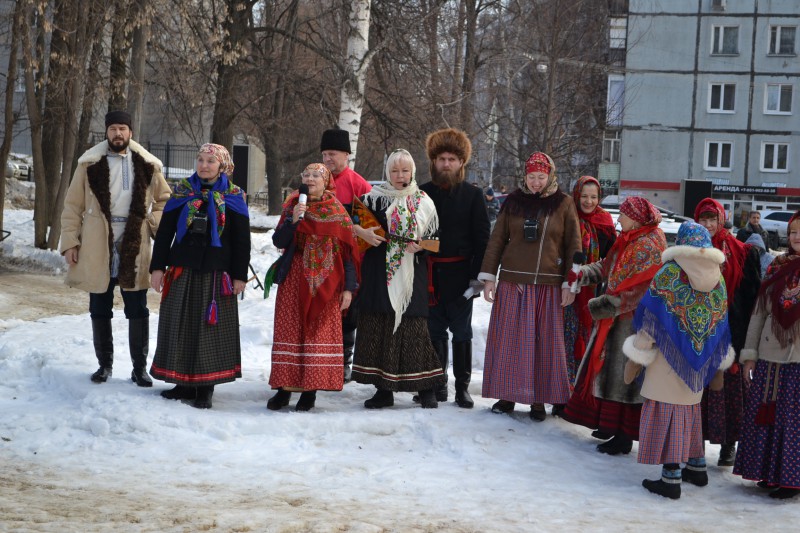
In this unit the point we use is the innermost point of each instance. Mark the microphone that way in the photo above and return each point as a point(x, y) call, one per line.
point(577, 260)
point(405, 185)
point(302, 199)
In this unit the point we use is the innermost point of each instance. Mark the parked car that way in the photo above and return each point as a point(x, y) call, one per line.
point(776, 223)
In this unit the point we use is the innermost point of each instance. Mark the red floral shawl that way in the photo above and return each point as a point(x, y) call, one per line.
point(327, 239)
point(630, 266)
point(592, 225)
point(780, 293)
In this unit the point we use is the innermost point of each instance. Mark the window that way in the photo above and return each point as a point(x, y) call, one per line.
point(611, 145)
point(618, 32)
point(774, 157)
point(722, 98)
point(718, 155)
point(778, 99)
point(725, 40)
point(616, 100)
point(781, 40)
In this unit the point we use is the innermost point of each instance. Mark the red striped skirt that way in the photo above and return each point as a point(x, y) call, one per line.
point(305, 358)
point(669, 433)
point(525, 354)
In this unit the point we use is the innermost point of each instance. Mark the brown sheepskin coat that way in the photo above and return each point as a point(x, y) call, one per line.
point(86, 220)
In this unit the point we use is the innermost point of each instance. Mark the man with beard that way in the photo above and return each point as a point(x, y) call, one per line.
point(111, 211)
point(453, 272)
point(335, 148)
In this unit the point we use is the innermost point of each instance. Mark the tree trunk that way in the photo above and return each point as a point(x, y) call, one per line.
point(120, 48)
point(458, 56)
point(355, 77)
point(237, 26)
point(8, 107)
point(35, 119)
point(141, 36)
point(470, 65)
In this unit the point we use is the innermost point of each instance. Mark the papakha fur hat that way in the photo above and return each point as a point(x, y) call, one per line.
point(449, 140)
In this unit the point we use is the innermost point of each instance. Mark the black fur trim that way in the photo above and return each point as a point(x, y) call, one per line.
point(97, 176)
point(519, 204)
point(132, 235)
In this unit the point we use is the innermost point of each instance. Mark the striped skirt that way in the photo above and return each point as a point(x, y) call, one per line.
point(525, 354)
point(189, 350)
point(400, 361)
point(772, 453)
point(305, 358)
point(669, 433)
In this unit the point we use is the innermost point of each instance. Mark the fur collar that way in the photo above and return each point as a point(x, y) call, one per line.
point(93, 154)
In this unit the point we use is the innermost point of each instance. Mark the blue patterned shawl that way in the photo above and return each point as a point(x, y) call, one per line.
point(690, 327)
point(190, 196)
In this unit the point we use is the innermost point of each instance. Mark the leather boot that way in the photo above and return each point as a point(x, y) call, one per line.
point(203, 398)
point(348, 343)
point(462, 371)
point(280, 399)
point(180, 392)
point(307, 401)
point(139, 342)
point(441, 348)
point(103, 348)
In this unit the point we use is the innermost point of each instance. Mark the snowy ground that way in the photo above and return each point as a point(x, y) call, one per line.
point(77, 456)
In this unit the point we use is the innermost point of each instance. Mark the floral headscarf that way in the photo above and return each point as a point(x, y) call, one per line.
point(541, 162)
point(639, 209)
point(221, 154)
point(330, 184)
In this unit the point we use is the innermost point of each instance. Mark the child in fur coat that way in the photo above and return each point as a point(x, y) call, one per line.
point(682, 337)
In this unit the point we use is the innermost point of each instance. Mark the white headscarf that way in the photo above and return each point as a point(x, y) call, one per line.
point(410, 213)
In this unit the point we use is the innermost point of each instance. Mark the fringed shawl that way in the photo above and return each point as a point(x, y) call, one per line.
point(690, 327)
point(780, 294)
point(410, 214)
point(190, 196)
point(328, 240)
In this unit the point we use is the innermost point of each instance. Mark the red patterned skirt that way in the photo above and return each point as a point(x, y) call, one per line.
point(669, 433)
point(305, 358)
point(525, 354)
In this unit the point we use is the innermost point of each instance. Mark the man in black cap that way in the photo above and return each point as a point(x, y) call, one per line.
point(111, 211)
point(335, 148)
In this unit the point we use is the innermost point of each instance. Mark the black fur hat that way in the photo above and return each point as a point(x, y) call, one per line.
point(335, 139)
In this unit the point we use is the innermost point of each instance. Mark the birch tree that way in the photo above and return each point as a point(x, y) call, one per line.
point(355, 72)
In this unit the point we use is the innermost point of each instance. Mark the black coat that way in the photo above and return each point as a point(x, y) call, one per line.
point(744, 300)
point(463, 232)
point(373, 294)
point(195, 250)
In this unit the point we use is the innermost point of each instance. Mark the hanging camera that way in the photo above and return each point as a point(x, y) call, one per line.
point(200, 223)
point(530, 229)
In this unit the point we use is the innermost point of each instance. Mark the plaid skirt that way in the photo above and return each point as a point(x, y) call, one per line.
point(772, 453)
point(305, 358)
point(723, 410)
point(525, 354)
point(400, 361)
point(189, 350)
point(669, 433)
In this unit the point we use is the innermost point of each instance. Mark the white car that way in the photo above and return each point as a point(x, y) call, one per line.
point(776, 223)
